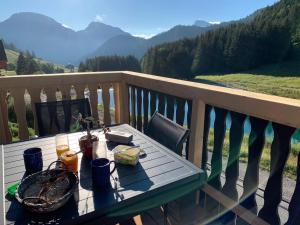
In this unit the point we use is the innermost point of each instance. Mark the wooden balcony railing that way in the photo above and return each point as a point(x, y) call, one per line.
point(137, 96)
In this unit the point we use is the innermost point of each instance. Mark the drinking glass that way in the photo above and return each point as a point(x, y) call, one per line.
point(62, 144)
point(33, 160)
point(70, 159)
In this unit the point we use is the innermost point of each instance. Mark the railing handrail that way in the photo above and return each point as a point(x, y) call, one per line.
point(272, 108)
point(269, 107)
point(48, 80)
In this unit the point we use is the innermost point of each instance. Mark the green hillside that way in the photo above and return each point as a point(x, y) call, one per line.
point(12, 57)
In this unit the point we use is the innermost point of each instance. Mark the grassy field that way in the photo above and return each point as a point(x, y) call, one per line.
point(281, 80)
point(12, 56)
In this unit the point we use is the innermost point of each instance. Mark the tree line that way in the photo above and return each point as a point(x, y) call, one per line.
point(110, 63)
point(28, 64)
point(271, 36)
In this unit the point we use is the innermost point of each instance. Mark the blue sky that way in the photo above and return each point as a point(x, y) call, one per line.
point(139, 17)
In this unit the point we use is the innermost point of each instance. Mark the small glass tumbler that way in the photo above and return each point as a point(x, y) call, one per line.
point(62, 144)
point(70, 159)
point(33, 160)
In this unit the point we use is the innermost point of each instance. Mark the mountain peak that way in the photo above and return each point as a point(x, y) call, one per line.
point(31, 16)
point(95, 24)
point(202, 23)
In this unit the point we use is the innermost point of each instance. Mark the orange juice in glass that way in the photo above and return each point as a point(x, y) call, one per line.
point(70, 159)
point(62, 144)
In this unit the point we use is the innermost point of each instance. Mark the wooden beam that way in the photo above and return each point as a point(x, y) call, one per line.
point(56, 80)
point(117, 99)
point(5, 135)
point(20, 110)
point(196, 134)
point(106, 103)
point(124, 102)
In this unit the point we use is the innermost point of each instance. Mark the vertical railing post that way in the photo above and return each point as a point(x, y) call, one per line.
point(124, 102)
point(5, 136)
point(94, 100)
point(118, 111)
point(20, 109)
point(197, 129)
point(35, 94)
point(106, 103)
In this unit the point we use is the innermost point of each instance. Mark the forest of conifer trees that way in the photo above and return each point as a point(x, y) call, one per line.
point(272, 36)
point(110, 63)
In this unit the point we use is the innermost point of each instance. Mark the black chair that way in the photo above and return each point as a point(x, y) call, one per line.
point(60, 116)
point(167, 132)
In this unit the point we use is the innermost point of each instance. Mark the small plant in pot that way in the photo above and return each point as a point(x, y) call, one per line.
point(86, 141)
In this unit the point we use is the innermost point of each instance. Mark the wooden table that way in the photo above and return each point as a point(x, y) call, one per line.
point(160, 171)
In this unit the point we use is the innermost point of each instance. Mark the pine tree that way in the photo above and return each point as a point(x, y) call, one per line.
point(21, 64)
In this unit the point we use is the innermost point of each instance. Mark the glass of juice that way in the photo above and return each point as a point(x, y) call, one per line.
point(62, 144)
point(70, 159)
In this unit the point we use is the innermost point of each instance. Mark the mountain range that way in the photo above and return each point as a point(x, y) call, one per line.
point(130, 45)
point(57, 43)
point(51, 40)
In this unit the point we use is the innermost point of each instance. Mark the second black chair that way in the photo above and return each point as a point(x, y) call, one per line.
point(167, 132)
point(60, 116)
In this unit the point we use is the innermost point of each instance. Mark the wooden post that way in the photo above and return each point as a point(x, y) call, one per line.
point(35, 94)
point(139, 108)
point(124, 102)
point(51, 96)
point(117, 99)
point(5, 135)
point(106, 103)
point(94, 100)
point(280, 149)
point(65, 91)
point(133, 106)
point(146, 108)
point(20, 110)
point(80, 91)
point(196, 135)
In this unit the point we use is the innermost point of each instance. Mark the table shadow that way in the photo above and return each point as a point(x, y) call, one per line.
point(85, 173)
point(130, 177)
point(104, 197)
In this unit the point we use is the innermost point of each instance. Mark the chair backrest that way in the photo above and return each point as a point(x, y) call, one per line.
point(60, 116)
point(167, 132)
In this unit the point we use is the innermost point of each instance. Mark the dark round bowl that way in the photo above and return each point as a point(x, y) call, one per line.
point(45, 207)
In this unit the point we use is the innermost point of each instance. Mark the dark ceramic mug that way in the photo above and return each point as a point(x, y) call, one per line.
point(33, 160)
point(101, 172)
